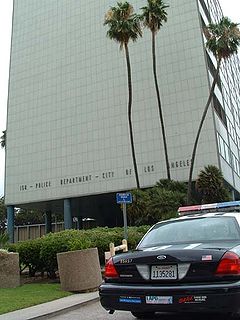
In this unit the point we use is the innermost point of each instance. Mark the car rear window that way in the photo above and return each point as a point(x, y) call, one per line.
point(193, 230)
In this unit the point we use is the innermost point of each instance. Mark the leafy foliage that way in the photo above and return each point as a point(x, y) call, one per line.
point(223, 38)
point(210, 184)
point(24, 216)
point(158, 203)
point(40, 255)
point(154, 15)
point(164, 203)
point(3, 239)
point(172, 185)
point(138, 211)
point(124, 24)
point(29, 255)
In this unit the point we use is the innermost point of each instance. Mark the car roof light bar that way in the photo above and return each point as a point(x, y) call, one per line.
point(210, 207)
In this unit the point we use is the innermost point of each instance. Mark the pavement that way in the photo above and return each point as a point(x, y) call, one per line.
point(52, 308)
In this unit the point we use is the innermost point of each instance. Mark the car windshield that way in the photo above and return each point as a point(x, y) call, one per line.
point(192, 230)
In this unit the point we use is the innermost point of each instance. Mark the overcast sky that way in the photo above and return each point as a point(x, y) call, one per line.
point(231, 8)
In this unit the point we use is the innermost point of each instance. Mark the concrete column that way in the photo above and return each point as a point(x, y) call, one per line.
point(10, 223)
point(67, 214)
point(80, 223)
point(48, 221)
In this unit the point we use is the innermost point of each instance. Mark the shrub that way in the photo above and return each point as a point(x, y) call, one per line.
point(52, 244)
point(40, 255)
point(101, 237)
point(29, 255)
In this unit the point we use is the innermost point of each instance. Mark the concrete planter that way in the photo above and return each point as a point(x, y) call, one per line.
point(9, 270)
point(79, 270)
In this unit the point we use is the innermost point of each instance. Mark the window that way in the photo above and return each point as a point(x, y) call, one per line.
point(219, 110)
point(192, 230)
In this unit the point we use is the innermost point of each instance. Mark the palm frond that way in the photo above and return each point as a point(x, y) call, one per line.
point(154, 15)
point(124, 25)
point(223, 38)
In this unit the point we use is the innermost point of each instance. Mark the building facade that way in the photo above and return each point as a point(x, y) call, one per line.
point(68, 145)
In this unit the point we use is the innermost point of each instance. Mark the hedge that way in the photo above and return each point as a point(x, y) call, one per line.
point(40, 255)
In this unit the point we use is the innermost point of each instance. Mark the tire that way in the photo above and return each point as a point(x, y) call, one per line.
point(143, 315)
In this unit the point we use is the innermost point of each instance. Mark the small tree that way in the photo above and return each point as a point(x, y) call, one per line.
point(158, 203)
point(223, 39)
point(210, 184)
point(165, 203)
point(137, 211)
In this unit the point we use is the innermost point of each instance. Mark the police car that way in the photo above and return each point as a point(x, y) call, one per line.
point(187, 264)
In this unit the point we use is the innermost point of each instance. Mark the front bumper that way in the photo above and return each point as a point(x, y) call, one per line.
point(224, 298)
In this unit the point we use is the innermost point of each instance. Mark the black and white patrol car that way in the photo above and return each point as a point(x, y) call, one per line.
point(187, 264)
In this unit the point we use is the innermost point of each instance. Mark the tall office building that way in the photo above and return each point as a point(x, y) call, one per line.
point(68, 145)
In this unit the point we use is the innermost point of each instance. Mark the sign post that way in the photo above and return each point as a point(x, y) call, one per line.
point(124, 198)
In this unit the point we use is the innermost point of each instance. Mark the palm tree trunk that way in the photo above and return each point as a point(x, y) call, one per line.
point(130, 113)
point(159, 105)
point(189, 195)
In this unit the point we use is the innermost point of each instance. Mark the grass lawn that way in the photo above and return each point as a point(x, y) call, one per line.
point(29, 295)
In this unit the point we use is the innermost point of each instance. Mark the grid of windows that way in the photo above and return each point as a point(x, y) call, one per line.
point(68, 133)
point(227, 104)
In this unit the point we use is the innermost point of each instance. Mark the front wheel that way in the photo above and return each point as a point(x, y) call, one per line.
point(143, 315)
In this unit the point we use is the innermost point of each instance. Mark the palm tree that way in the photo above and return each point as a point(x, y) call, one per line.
point(210, 183)
point(3, 139)
point(124, 25)
point(153, 16)
point(223, 39)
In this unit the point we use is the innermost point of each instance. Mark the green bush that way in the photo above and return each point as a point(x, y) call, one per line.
point(101, 237)
point(40, 255)
point(29, 255)
point(3, 239)
point(54, 243)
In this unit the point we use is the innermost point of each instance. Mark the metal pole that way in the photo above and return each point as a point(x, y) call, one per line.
point(125, 220)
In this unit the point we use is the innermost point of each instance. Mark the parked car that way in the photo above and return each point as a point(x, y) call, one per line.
point(187, 264)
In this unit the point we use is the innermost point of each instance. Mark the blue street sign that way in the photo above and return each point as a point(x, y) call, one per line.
point(124, 197)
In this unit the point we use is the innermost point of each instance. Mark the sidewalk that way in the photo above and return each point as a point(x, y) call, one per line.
point(49, 309)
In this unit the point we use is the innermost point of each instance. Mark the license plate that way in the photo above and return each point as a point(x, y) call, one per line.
point(164, 272)
point(159, 299)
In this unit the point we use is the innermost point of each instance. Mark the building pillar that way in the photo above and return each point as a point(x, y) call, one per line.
point(80, 222)
point(10, 223)
point(48, 221)
point(67, 214)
